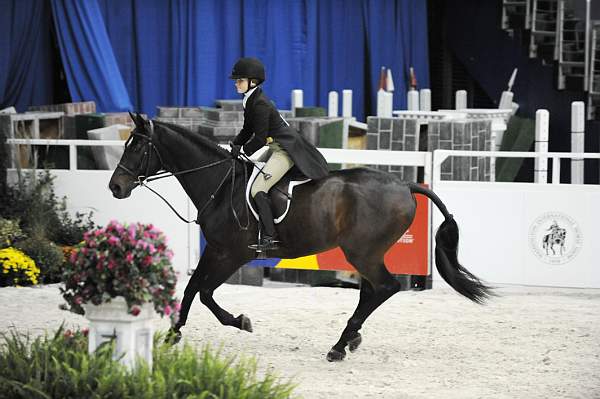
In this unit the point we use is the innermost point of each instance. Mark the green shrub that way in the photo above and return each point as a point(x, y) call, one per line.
point(48, 257)
point(42, 214)
point(9, 232)
point(60, 367)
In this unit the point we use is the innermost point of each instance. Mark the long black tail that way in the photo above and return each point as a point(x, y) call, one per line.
point(446, 254)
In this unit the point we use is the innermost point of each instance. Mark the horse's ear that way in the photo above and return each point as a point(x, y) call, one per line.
point(140, 121)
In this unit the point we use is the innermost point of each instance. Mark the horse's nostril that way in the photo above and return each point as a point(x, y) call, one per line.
point(114, 188)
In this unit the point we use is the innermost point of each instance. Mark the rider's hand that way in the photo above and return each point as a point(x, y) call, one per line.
point(235, 150)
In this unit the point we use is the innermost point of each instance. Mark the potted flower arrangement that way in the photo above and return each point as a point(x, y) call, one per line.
point(119, 275)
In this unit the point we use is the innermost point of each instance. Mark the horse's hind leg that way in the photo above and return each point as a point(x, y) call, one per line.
point(379, 287)
point(212, 271)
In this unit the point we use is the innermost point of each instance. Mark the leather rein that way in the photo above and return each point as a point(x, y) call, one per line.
point(142, 180)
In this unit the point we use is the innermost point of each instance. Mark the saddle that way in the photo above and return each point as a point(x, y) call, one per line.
point(280, 193)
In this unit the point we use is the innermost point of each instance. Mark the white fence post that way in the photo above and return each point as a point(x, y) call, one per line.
point(412, 100)
point(577, 140)
point(384, 104)
point(461, 99)
point(541, 145)
point(425, 100)
point(297, 100)
point(347, 103)
point(332, 109)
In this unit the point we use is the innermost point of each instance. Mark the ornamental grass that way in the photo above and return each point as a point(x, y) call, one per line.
point(60, 367)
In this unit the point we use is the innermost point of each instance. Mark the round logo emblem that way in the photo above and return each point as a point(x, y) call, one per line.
point(555, 238)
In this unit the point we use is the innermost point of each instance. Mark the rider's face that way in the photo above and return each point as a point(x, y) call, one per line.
point(241, 85)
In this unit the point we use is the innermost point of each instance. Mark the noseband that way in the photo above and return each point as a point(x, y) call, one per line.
point(146, 178)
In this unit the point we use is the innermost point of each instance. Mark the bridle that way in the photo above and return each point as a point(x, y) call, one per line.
point(142, 180)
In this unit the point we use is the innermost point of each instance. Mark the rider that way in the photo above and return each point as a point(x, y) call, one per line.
point(264, 126)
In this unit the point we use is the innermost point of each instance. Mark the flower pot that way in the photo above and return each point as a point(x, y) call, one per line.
point(133, 335)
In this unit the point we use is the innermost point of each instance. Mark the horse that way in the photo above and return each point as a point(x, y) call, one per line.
point(555, 237)
point(361, 210)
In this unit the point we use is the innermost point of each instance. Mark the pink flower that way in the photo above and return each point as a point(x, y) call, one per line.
point(112, 240)
point(111, 264)
point(132, 231)
point(177, 306)
point(135, 310)
point(85, 331)
point(168, 310)
point(129, 257)
point(84, 250)
point(78, 300)
point(147, 261)
point(151, 248)
point(73, 257)
point(68, 334)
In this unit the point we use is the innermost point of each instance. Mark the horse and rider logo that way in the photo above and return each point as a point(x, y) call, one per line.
point(555, 238)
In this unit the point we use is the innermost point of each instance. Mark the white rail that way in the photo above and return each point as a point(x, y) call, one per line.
point(332, 155)
point(440, 156)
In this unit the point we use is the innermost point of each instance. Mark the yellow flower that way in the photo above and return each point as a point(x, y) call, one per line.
point(17, 267)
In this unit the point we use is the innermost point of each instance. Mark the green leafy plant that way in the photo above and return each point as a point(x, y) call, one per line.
point(16, 268)
point(47, 256)
point(59, 366)
point(32, 200)
point(9, 232)
point(132, 261)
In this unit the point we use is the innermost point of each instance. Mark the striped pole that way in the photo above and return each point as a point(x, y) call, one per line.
point(541, 145)
point(577, 140)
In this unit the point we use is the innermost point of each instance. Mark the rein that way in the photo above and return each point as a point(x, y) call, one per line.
point(144, 179)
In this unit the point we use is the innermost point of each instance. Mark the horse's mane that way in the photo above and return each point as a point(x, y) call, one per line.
point(195, 138)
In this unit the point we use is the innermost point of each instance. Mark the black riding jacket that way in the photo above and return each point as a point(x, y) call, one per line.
point(262, 120)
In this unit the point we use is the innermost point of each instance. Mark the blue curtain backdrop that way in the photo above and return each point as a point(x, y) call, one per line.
point(26, 53)
point(88, 59)
point(146, 53)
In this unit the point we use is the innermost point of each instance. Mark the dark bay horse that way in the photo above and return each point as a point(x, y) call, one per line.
point(363, 211)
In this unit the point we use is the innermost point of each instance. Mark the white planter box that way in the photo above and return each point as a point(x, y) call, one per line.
point(133, 335)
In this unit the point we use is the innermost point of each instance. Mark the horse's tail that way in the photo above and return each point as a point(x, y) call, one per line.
point(446, 250)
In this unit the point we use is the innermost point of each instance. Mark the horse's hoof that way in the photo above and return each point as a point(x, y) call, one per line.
point(173, 337)
point(335, 355)
point(354, 343)
point(245, 323)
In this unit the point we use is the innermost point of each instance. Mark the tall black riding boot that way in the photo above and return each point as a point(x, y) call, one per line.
point(268, 237)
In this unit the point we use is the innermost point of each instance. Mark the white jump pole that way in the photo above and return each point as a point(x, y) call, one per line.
point(461, 99)
point(347, 103)
point(542, 126)
point(384, 104)
point(577, 140)
point(412, 100)
point(297, 100)
point(425, 100)
point(332, 109)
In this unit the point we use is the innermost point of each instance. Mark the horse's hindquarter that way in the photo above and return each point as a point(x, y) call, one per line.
point(349, 208)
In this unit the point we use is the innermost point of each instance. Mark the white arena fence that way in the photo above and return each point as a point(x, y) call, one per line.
point(503, 225)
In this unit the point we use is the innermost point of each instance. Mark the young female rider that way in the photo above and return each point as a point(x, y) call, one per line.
point(264, 126)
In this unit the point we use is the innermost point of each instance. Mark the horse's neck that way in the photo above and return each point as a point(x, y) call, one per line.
point(198, 185)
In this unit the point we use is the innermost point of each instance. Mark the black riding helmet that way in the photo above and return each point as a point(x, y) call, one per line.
point(249, 68)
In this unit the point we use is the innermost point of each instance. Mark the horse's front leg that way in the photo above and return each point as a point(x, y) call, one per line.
point(212, 271)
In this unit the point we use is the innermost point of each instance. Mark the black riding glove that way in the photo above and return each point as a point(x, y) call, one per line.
point(235, 150)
